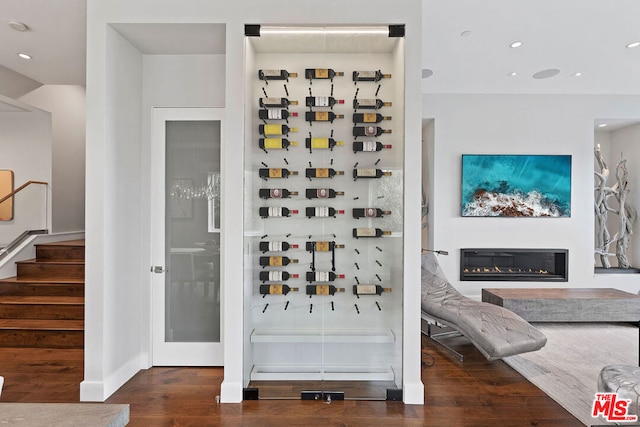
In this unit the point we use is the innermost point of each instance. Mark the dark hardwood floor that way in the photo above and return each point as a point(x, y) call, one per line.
point(473, 393)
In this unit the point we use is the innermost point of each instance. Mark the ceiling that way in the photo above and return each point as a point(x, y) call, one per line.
point(465, 44)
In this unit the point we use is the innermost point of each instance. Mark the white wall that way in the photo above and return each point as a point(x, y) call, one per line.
point(14, 84)
point(66, 103)
point(519, 124)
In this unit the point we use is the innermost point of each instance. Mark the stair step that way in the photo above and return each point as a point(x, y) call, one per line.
point(70, 250)
point(31, 287)
point(41, 307)
point(33, 268)
point(41, 334)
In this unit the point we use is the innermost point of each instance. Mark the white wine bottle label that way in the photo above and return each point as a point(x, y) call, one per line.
point(275, 261)
point(271, 73)
point(322, 173)
point(370, 118)
point(273, 129)
point(365, 173)
point(322, 246)
point(368, 146)
point(271, 101)
point(275, 276)
point(319, 142)
point(366, 289)
point(275, 211)
point(275, 173)
point(322, 289)
point(275, 289)
point(367, 102)
point(370, 213)
point(322, 276)
point(322, 211)
point(322, 73)
point(275, 246)
point(274, 113)
point(272, 143)
point(322, 193)
point(275, 193)
point(366, 232)
point(322, 116)
point(322, 101)
point(368, 130)
point(366, 74)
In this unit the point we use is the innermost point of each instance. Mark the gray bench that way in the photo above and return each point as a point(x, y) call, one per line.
point(495, 331)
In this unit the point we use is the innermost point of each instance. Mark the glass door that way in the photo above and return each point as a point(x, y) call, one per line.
point(186, 236)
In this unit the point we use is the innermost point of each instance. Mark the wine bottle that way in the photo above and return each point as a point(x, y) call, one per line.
point(369, 146)
point(322, 172)
point(369, 290)
point(276, 102)
point(267, 75)
point(276, 276)
point(370, 173)
point(329, 143)
point(276, 289)
point(276, 261)
point(369, 213)
point(275, 211)
point(322, 246)
point(369, 76)
point(369, 104)
point(276, 143)
point(369, 117)
point(323, 276)
point(323, 290)
point(322, 193)
point(276, 193)
point(275, 173)
point(276, 246)
point(275, 114)
point(369, 232)
point(274, 129)
point(322, 101)
point(322, 116)
point(322, 211)
point(321, 73)
point(369, 131)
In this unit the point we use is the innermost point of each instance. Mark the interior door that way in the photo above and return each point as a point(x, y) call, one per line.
point(185, 221)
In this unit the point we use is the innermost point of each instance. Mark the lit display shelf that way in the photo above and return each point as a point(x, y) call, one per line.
point(353, 336)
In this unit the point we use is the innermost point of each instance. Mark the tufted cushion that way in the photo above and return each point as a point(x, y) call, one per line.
point(496, 331)
point(623, 380)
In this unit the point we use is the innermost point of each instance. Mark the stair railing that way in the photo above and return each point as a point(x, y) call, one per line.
point(22, 187)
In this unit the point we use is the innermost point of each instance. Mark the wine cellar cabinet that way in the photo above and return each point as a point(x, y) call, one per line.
point(323, 187)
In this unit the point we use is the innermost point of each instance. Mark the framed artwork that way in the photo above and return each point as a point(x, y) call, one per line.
point(6, 187)
point(503, 185)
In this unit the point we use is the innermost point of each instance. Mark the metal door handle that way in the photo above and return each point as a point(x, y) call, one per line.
point(158, 269)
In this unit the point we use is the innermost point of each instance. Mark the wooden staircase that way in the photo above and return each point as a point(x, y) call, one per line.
point(43, 306)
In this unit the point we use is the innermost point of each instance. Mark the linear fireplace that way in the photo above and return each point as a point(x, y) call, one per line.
point(518, 265)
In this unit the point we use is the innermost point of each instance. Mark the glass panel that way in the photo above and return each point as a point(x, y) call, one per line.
point(192, 288)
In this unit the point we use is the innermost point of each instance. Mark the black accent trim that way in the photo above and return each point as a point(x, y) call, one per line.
point(334, 395)
point(252, 30)
point(394, 394)
point(311, 395)
point(396, 30)
point(250, 394)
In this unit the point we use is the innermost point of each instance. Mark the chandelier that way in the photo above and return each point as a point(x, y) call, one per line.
point(184, 189)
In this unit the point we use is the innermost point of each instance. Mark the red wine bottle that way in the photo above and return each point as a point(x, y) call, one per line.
point(322, 193)
point(322, 116)
point(276, 102)
point(329, 143)
point(369, 213)
point(276, 261)
point(276, 276)
point(322, 246)
point(369, 76)
point(321, 73)
point(323, 276)
point(267, 75)
point(369, 117)
point(322, 101)
point(370, 173)
point(275, 114)
point(276, 193)
point(369, 146)
point(275, 129)
point(275, 173)
point(322, 172)
point(369, 232)
point(276, 211)
point(276, 289)
point(322, 211)
point(369, 104)
point(369, 131)
point(323, 290)
point(276, 246)
point(369, 290)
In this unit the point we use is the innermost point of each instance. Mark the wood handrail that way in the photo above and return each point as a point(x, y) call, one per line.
point(26, 184)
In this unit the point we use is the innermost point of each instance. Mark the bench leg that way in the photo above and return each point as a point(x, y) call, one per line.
point(439, 337)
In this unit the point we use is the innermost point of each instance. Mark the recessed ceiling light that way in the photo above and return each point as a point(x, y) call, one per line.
point(578, 74)
point(465, 33)
point(545, 74)
point(24, 56)
point(512, 74)
point(602, 125)
point(633, 44)
point(516, 44)
point(18, 26)
point(426, 73)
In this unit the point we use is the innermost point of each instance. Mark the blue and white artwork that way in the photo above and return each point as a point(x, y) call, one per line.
point(516, 185)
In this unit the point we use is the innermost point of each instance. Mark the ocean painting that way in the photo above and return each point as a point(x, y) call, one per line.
point(516, 185)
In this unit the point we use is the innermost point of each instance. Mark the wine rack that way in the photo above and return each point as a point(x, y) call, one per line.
point(346, 158)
